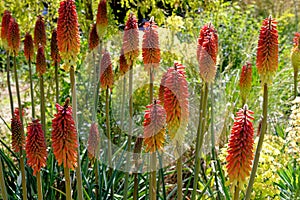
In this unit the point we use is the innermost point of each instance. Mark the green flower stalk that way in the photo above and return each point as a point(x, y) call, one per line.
point(207, 51)
point(267, 64)
point(68, 41)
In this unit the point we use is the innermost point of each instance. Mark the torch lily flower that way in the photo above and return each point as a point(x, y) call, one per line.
point(41, 61)
point(40, 32)
point(13, 37)
point(245, 81)
point(28, 47)
point(106, 72)
point(101, 20)
point(36, 149)
point(64, 136)
point(54, 48)
point(68, 39)
point(18, 139)
point(94, 38)
point(4, 28)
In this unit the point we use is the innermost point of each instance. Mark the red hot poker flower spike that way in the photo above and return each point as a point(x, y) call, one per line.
point(154, 127)
point(106, 72)
point(13, 37)
point(18, 139)
point(240, 148)
point(39, 32)
point(64, 136)
point(150, 46)
point(124, 67)
point(28, 47)
point(93, 142)
point(36, 149)
point(131, 39)
point(68, 39)
point(4, 28)
point(176, 102)
point(267, 51)
point(207, 51)
point(40, 61)
point(102, 20)
point(54, 48)
point(296, 39)
point(245, 81)
point(93, 39)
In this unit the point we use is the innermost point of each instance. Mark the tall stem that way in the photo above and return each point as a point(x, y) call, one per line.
point(213, 142)
point(96, 165)
point(260, 142)
point(42, 104)
point(9, 85)
point(56, 82)
point(31, 89)
point(153, 155)
point(179, 172)
point(123, 101)
point(68, 183)
point(22, 165)
point(2, 182)
point(136, 186)
point(295, 82)
point(74, 107)
point(109, 153)
point(39, 185)
point(152, 192)
point(200, 137)
point(129, 131)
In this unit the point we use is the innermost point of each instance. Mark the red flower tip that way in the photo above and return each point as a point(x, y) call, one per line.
point(4, 28)
point(64, 136)
point(176, 102)
point(106, 72)
point(28, 47)
point(207, 50)
point(296, 39)
point(131, 39)
point(102, 20)
point(68, 39)
point(94, 38)
point(245, 81)
point(40, 61)
point(240, 148)
point(267, 50)
point(124, 67)
point(93, 142)
point(150, 46)
point(54, 48)
point(36, 149)
point(13, 36)
point(39, 32)
point(154, 127)
point(18, 139)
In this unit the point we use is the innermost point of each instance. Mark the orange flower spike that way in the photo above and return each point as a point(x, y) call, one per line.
point(207, 50)
point(106, 72)
point(93, 39)
point(4, 28)
point(124, 67)
point(295, 55)
point(93, 142)
point(40, 61)
point(176, 102)
point(240, 148)
point(267, 51)
point(40, 32)
point(68, 39)
point(150, 46)
point(64, 136)
point(54, 48)
point(245, 81)
point(28, 47)
point(18, 139)
point(36, 149)
point(102, 19)
point(13, 36)
point(154, 127)
point(131, 39)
